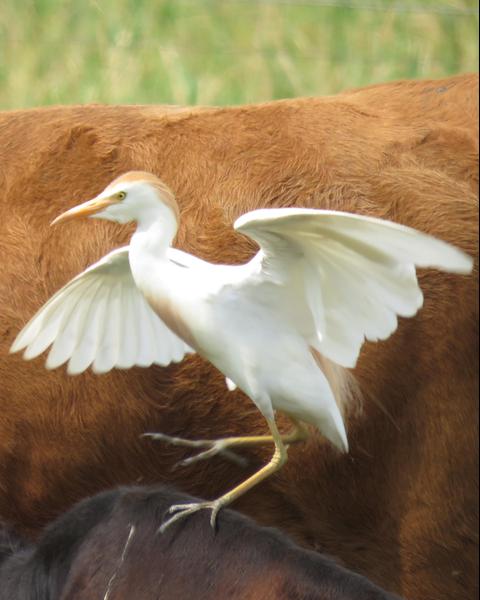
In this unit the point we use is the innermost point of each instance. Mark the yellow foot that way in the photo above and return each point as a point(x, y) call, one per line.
point(213, 447)
point(221, 446)
point(279, 457)
point(184, 510)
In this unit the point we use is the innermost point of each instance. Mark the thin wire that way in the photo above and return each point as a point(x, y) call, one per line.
point(451, 11)
point(232, 51)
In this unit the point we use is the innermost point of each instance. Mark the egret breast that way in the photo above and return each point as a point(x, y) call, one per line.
point(167, 310)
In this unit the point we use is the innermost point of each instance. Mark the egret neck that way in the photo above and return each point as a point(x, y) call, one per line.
point(148, 256)
point(156, 228)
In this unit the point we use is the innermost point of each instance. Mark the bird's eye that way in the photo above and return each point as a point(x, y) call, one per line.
point(121, 195)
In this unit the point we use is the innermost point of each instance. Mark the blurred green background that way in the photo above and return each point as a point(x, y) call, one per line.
point(224, 52)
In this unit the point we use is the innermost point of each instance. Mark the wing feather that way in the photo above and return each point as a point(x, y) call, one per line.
point(100, 319)
point(128, 349)
point(69, 327)
point(107, 352)
point(358, 273)
point(50, 314)
point(87, 347)
point(146, 350)
point(399, 241)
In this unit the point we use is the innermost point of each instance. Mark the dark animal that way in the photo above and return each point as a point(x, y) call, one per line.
point(401, 507)
point(108, 548)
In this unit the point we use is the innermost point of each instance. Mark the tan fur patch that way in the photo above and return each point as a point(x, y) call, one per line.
point(171, 317)
point(165, 193)
point(343, 383)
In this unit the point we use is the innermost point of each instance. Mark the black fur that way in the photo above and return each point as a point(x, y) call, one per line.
point(85, 552)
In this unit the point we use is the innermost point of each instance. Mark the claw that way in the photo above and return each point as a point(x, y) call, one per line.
point(184, 510)
point(177, 441)
point(213, 451)
point(278, 459)
point(214, 447)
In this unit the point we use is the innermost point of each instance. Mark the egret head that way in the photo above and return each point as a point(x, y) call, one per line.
point(134, 196)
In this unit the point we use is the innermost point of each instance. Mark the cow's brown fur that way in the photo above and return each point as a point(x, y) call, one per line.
point(401, 506)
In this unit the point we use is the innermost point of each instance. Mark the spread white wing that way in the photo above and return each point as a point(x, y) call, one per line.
point(100, 318)
point(340, 278)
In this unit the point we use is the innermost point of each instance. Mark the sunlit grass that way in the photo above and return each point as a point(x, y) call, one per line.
point(220, 52)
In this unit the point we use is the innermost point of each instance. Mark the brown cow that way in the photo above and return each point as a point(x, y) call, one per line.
point(401, 506)
point(109, 547)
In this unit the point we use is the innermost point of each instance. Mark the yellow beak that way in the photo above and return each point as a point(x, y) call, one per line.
point(86, 209)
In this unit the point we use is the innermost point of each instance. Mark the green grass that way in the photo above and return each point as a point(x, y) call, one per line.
point(221, 52)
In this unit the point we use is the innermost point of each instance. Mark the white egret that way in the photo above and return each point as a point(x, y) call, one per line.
point(322, 282)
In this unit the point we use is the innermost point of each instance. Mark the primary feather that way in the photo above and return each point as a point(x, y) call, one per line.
point(358, 273)
point(100, 318)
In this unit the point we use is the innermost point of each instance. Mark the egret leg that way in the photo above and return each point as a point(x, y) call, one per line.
point(180, 511)
point(221, 446)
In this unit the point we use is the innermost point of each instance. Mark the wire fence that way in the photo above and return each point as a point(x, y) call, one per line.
point(439, 9)
point(399, 8)
point(296, 53)
point(226, 51)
